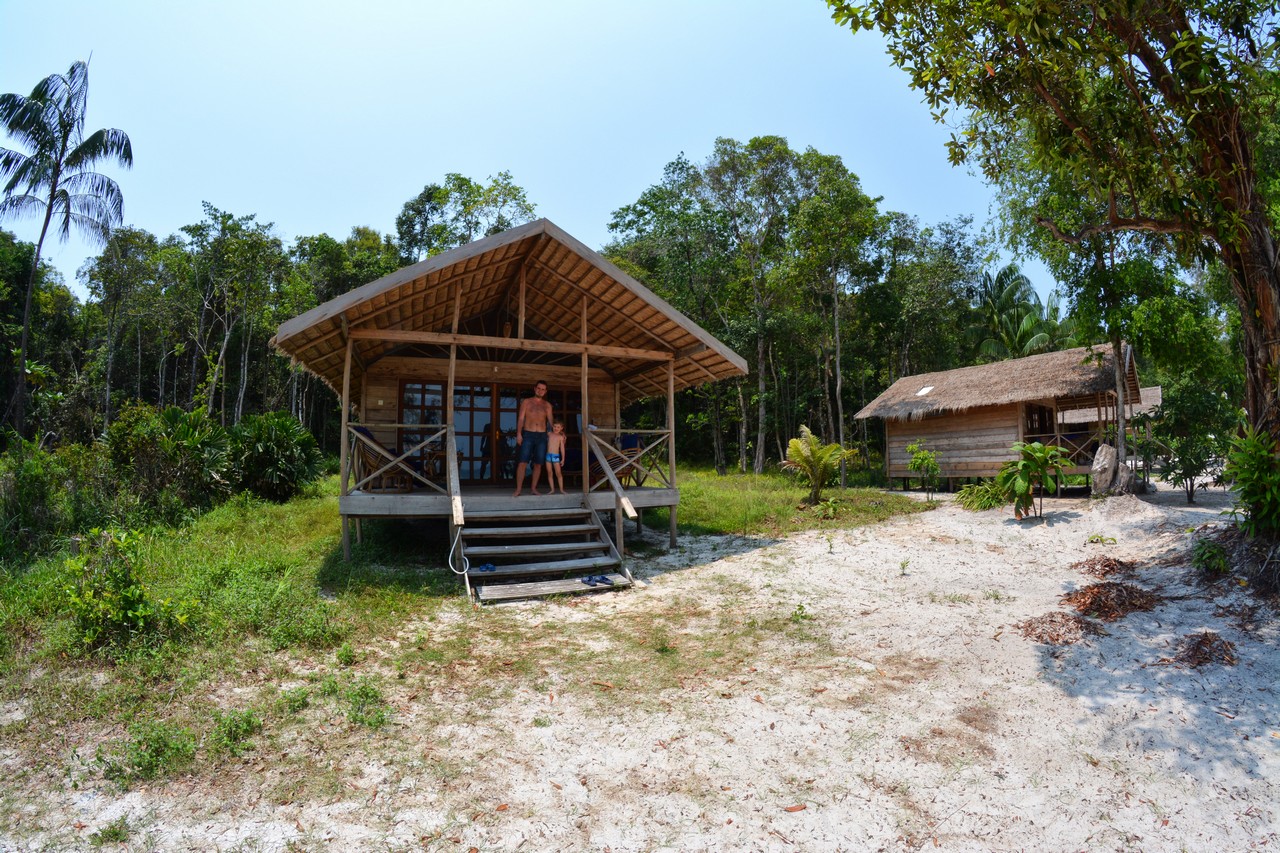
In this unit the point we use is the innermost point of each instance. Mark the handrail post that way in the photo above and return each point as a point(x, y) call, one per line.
point(455, 491)
point(619, 495)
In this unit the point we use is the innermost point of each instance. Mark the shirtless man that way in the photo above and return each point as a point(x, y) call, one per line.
point(532, 423)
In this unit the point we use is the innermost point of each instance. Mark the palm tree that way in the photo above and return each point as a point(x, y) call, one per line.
point(1012, 322)
point(56, 179)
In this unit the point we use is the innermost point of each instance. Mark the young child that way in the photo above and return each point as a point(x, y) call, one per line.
point(555, 455)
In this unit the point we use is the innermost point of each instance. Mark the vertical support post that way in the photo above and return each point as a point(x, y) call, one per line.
point(344, 460)
point(520, 321)
point(453, 364)
point(671, 439)
point(586, 410)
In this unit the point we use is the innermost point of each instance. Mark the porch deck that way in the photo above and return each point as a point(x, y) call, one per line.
point(426, 503)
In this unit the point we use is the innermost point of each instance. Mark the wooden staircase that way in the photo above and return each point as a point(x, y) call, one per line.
point(527, 553)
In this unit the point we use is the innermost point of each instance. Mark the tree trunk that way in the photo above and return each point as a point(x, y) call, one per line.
point(1121, 375)
point(762, 417)
point(244, 372)
point(742, 428)
point(717, 436)
point(1255, 282)
point(835, 313)
point(19, 403)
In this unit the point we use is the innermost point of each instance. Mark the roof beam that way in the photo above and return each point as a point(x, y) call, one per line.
point(405, 336)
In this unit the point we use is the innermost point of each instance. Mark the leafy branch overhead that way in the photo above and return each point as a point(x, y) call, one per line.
point(1153, 119)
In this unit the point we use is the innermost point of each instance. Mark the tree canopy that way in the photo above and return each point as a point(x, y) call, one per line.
point(1147, 116)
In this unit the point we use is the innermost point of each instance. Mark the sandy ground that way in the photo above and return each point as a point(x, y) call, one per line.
point(925, 720)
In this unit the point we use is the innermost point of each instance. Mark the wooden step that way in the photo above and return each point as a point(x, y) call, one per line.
point(540, 530)
point(527, 515)
point(532, 548)
point(535, 589)
point(547, 567)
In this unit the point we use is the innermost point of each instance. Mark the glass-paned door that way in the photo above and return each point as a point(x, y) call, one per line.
point(484, 422)
point(422, 403)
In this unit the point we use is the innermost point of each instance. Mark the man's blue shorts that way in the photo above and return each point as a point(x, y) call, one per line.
point(533, 447)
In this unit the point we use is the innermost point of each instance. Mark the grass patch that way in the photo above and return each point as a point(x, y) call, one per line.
point(232, 730)
point(771, 505)
point(116, 832)
point(152, 749)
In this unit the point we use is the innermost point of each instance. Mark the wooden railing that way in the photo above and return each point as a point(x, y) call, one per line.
point(638, 465)
point(1079, 445)
point(601, 451)
point(392, 465)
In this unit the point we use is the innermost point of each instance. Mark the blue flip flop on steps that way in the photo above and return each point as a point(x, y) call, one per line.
point(594, 580)
point(589, 580)
point(487, 567)
point(604, 579)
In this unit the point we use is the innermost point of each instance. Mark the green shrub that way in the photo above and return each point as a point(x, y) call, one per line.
point(295, 699)
point(814, 461)
point(196, 448)
point(365, 705)
point(273, 456)
point(984, 495)
point(232, 730)
point(925, 465)
point(1038, 467)
point(30, 514)
point(1253, 468)
point(1210, 558)
point(153, 749)
point(109, 604)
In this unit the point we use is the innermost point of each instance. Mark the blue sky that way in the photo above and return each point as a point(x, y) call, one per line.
point(320, 116)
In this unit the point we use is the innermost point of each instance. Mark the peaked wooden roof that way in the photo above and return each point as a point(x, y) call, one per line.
point(1071, 377)
point(625, 320)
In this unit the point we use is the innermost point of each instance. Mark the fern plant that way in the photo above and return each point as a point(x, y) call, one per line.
point(984, 495)
point(814, 461)
point(1037, 467)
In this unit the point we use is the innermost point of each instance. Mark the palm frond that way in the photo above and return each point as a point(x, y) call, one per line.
point(21, 207)
point(104, 144)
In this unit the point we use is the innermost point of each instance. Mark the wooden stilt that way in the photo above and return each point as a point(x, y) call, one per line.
point(671, 439)
point(359, 530)
point(344, 457)
point(586, 413)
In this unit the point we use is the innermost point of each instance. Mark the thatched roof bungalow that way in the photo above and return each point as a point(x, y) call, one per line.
point(431, 363)
point(971, 416)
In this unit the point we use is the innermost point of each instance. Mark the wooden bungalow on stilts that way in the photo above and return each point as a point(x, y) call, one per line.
point(972, 416)
point(431, 363)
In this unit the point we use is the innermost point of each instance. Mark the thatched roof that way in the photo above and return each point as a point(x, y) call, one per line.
point(1150, 398)
point(1071, 377)
point(558, 271)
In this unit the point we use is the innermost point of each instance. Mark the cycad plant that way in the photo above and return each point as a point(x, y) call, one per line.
point(815, 461)
point(1036, 466)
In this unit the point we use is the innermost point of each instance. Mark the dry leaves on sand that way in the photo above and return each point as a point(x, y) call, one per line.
point(1102, 566)
point(1058, 628)
point(1206, 647)
point(1110, 600)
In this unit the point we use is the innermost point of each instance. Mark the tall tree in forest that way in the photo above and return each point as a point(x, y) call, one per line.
point(445, 216)
point(116, 279)
point(678, 243)
point(833, 237)
point(754, 185)
point(55, 180)
point(1150, 112)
